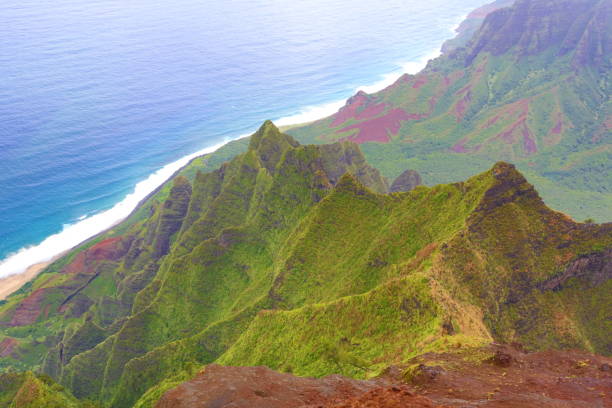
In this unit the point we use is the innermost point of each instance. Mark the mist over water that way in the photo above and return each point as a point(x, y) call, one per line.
point(98, 96)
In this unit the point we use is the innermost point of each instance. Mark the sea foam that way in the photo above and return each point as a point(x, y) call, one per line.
point(87, 227)
point(73, 234)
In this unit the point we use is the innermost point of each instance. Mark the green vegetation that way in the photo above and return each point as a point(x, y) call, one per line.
point(504, 98)
point(296, 257)
point(27, 390)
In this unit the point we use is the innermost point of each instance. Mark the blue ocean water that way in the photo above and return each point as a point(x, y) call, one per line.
point(97, 95)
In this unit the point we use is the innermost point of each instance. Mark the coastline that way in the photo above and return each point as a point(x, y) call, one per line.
point(13, 273)
point(12, 283)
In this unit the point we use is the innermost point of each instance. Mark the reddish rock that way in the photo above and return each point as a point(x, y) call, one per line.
point(388, 397)
point(501, 359)
point(508, 377)
point(260, 387)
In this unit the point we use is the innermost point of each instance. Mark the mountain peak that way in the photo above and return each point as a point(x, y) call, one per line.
point(269, 143)
point(406, 181)
point(509, 185)
point(502, 170)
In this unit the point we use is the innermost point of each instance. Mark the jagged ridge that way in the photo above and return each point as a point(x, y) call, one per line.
point(296, 241)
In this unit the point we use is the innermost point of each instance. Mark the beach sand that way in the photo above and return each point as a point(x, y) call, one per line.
point(12, 283)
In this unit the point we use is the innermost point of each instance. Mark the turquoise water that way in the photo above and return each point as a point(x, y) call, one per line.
point(98, 95)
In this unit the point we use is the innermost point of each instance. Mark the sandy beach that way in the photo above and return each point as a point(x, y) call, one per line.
point(12, 283)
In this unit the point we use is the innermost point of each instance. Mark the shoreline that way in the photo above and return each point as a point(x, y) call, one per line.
point(12, 283)
point(13, 274)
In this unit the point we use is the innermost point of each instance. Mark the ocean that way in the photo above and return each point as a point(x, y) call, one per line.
point(102, 100)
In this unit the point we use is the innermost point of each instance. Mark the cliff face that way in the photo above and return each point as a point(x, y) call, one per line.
point(289, 242)
point(530, 87)
point(470, 25)
point(578, 27)
point(295, 257)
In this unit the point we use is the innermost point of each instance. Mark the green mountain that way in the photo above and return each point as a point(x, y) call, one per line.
point(308, 260)
point(296, 257)
point(532, 87)
point(28, 390)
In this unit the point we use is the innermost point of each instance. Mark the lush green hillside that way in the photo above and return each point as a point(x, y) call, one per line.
point(296, 257)
point(532, 87)
point(27, 390)
point(308, 260)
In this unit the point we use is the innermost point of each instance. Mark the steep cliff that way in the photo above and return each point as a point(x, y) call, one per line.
point(296, 258)
point(531, 87)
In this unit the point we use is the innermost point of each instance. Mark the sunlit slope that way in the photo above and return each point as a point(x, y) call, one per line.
point(296, 257)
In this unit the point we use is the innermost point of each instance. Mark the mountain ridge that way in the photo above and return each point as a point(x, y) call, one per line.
point(270, 238)
point(531, 87)
point(307, 260)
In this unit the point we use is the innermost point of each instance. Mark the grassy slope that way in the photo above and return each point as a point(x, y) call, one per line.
point(27, 390)
point(485, 257)
point(479, 113)
point(280, 239)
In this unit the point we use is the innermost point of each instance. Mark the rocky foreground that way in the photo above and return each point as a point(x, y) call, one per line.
point(491, 377)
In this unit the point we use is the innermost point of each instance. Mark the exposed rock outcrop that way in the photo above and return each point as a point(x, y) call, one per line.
point(260, 387)
point(494, 376)
point(406, 181)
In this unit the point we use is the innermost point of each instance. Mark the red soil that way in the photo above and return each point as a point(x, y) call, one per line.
point(558, 128)
point(7, 346)
point(495, 376)
point(77, 265)
point(109, 249)
point(29, 309)
point(420, 81)
point(358, 107)
point(491, 121)
point(371, 111)
point(518, 131)
point(459, 147)
point(260, 387)
point(376, 125)
point(388, 397)
point(513, 378)
point(378, 129)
